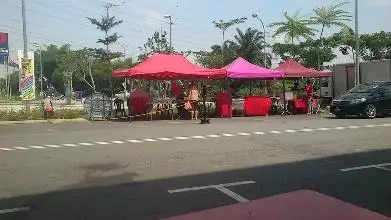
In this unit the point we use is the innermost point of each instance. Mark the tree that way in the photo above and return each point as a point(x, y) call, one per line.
point(249, 45)
point(106, 24)
point(295, 27)
point(212, 59)
point(376, 46)
point(224, 26)
point(327, 17)
point(306, 51)
point(158, 43)
point(346, 41)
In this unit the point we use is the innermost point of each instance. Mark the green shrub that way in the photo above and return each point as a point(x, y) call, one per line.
point(37, 114)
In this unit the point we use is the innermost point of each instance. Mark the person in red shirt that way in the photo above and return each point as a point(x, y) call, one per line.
point(309, 96)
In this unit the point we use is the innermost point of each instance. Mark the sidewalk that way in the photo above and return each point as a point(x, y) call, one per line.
point(52, 121)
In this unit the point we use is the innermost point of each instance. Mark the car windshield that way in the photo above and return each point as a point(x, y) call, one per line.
point(365, 88)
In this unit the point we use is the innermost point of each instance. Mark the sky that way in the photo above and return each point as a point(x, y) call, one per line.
point(64, 21)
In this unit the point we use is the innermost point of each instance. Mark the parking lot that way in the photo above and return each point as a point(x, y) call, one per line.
point(161, 179)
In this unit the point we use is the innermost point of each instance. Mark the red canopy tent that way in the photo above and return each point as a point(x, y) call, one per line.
point(293, 69)
point(168, 67)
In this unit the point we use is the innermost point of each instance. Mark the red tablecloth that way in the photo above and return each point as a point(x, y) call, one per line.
point(224, 104)
point(300, 105)
point(257, 105)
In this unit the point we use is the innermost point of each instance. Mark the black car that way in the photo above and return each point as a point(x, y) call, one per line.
point(368, 99)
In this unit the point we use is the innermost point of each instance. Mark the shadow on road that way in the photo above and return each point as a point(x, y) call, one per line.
point(120, 197)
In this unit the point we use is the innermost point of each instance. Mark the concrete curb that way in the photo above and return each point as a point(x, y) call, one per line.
point(50, 121)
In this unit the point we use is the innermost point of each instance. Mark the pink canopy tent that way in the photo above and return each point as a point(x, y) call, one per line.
point(293, 69)
point(242, 69)
point(168, 67)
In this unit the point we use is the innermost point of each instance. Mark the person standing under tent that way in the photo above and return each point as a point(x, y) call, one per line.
point(309, 96)
point(193, 98)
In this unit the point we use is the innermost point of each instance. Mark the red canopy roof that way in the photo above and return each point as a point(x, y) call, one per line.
point(293, 69)
point(168, 67)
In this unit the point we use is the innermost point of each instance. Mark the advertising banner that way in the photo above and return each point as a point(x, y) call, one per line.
point(4, 49)
point(26, 76)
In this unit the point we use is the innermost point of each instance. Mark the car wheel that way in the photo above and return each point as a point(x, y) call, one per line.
point(370, 112)
point(340, 115)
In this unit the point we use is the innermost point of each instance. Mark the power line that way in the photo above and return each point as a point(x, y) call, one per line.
point(85, 25)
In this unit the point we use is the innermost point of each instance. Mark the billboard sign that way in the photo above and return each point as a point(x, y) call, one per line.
point(4, 48)
point(26, 76)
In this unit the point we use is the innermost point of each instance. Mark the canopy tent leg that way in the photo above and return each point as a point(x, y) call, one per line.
point(204, 119)
point(129, 100)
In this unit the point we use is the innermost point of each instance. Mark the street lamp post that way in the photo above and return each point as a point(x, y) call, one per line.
point(264, 39)
point(170, 20)
point(357, 66)
point(41, 72)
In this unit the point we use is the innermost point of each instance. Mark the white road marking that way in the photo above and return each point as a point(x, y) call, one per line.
point(384, 168)
point(231, 194)
point(228, 135)
point(36, 147)
point(323, 129)
point(259, 133)
point(69, 145)
point(221, 187)
point(213, 136)
point(244, 134)
point(195, 137)
point(134, 141)
point(150, 140)
point(165, 139)
point(365, 167)
point(198, 137)
point(210, 186)
point(53, 146)
point(20, 209)
point(86, 144)
point(21, 148)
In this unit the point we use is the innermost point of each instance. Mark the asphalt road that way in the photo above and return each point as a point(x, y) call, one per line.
point(125, 171)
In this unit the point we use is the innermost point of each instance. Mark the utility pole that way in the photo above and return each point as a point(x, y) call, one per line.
point(108, 6)
point(357, 37)
point(170, 20)
point(25, 54)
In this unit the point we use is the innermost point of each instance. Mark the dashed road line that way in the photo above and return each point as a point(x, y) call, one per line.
point(53, 146)
point(22, 148)
point(85, 144)
point(196, 137)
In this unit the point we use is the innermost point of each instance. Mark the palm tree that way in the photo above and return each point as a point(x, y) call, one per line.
point(295, 27)
point(249, 45)
point(327, 17)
